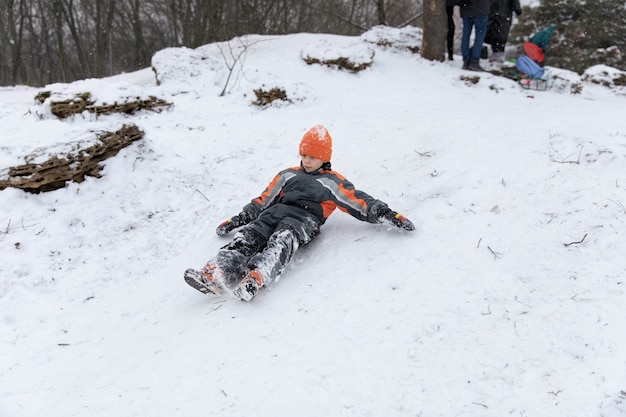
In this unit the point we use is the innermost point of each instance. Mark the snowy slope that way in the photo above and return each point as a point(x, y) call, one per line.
point(483, 311)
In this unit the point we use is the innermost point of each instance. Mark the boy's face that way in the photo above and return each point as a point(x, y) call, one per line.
point(310, 163)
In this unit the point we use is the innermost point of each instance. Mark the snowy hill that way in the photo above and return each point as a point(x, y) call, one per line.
point(507, 301)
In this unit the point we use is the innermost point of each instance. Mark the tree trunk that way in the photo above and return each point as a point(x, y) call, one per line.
point(57, 11)
point(16, 28)
point(103, 25)
point(83, 68)
point(139, 53)
point(435, 29)
point(382, 16)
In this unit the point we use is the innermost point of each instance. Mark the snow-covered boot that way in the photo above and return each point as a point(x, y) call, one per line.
point(248, 287)
point(204, 280)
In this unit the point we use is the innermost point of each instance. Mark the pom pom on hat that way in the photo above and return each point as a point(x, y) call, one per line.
point(317, 143)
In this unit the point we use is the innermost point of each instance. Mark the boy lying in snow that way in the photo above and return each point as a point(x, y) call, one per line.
point(285, 216)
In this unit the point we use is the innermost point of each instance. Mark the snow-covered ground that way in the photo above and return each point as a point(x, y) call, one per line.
point(507, 301)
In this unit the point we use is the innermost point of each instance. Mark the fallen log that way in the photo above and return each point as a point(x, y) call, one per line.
point(81, 162)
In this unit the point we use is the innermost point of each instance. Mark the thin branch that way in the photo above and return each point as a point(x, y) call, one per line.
point(564, 160)
point(425, 154)
point(576, 243)
point(619, 204)
point(411, 19)
point(496, 255)
point(341, 18)
point(202, 195)
point(235, 60)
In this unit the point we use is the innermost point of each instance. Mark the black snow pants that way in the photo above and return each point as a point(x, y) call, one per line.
point(267, 244)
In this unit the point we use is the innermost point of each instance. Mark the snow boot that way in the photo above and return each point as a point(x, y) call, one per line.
point(484, 52)
point(204, 280)
point(475, 66)
point(248, 287)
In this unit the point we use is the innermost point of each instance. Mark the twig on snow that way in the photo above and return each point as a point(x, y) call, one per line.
point(618, 204)
point(564, 160)
point(576, 243)
point(496, 255)
point(202, 195)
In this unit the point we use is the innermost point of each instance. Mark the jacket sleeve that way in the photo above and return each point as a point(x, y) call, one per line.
point(271, 193)
point(352, 201)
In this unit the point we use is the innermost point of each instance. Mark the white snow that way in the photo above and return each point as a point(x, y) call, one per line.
point(507, 301)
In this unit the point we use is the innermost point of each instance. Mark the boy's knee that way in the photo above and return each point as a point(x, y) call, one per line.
point(247, 242)
point(304, 232)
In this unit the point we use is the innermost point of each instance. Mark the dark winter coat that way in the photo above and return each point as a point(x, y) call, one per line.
point(500, 18)
point(451, 3)
point(474, 8)
point(304, 201)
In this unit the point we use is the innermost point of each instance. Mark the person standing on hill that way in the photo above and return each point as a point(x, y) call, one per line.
point(451, 27)
point(287, 215)
point(499, 25)
point(475, 15)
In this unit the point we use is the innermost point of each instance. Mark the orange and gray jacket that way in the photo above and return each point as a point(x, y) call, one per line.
point(314, 196)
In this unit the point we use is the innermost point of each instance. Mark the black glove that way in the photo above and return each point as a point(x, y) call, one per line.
point(396, 219)
point(233, 223)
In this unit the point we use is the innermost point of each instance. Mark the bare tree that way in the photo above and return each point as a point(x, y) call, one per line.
point(102, 31)
point(57, 12)
point(234, 59)
point(81, 67)
point(15, 27)
point(380, 8)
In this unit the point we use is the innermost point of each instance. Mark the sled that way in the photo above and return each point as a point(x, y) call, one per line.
point(525, 81)
point(540, 84)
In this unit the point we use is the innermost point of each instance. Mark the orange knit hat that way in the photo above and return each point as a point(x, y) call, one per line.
point(317, 143)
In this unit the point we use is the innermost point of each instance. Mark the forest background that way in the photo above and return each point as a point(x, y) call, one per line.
point(43, 41)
